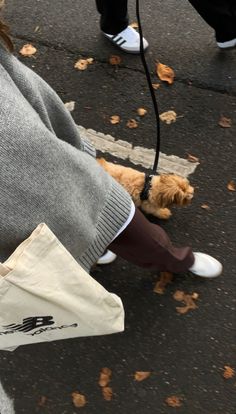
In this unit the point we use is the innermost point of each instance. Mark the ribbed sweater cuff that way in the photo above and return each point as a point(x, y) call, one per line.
point(89, 148)
point(114, 215)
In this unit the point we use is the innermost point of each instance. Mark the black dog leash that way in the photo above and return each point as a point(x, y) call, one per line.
point(148, 177)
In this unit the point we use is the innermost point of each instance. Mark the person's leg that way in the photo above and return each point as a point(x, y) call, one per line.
point(220, 15)
point(147, 245)
point(114, 25)
point(114, 15)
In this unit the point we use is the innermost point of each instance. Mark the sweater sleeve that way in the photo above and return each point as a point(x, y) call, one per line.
point(52, 179)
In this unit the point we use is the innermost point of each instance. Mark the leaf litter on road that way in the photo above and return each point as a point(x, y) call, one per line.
point(28, 50)
point(82, 64)
point(229, 372)
point(165, 73)
point(168, 117)
point(165, 279)
point(78, 399)
point(225, 122)
point(187, 299)
point(141, 375)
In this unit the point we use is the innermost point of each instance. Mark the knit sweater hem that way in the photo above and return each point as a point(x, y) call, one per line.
point(108, 224)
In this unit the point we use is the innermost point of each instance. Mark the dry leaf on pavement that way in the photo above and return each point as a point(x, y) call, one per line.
point(225, 122)
point(82, 64)
point(141, 375)
point(156, 85)
point(42, 401)
point(78, 399)
point(228, 372)
point(107, 393)
point(132, 124)
point(165, 73)
point(134, 25)
point(28, 50)
point(188, 300)
point(231, 185)
point(192, 158)
point(141, 111)
point(168, 116)
point(205, 207)
point(70, 105)
point(114, 119)
point(105, 377)
point(173, 401)
point(114, 60)
point(166, 277)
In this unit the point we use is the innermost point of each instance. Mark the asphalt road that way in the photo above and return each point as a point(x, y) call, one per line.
point(186, 354)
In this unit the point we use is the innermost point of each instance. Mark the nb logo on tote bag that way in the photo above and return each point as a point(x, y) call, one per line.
point(33, 326)
point(42, 275)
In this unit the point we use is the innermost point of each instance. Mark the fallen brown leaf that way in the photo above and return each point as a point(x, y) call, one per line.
point(141, 375)
point(173, 401)
point(141, 111)
point(225, 122)
point(205, 207)
point(156, 85)
point(107, 393)
point(165, 73)
point(188, 300)
point(132, 124)
point(192, 158)
point(28, 50)
point(70, 105)
point(82, 64)
point(42, 401)
point(231, 185)
point(90, 60)
point(114, 60)
point(228, 372)
point(165, 278)
point(168, 116)
point(134, 25)
point(114, 119)
point(105, 377)
point(78, 399)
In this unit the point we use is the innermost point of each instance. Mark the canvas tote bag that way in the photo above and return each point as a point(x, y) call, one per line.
point(45, 295)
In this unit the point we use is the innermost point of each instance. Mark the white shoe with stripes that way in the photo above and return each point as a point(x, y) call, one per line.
point(128, 40)
point(227, 45)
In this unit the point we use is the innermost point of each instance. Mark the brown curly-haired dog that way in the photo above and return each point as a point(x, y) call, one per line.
point(166, 189)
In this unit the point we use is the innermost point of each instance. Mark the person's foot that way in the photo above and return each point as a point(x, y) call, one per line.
point(107, 257)
point(128, 40)
point(227, 45)
point(206, 266)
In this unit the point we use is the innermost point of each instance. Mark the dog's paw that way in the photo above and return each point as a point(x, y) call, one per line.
point(163, 213)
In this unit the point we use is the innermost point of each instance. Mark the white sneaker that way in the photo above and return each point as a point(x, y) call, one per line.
point(108, 257)
point(206, 266)
point(128, 40)
point(228, 44)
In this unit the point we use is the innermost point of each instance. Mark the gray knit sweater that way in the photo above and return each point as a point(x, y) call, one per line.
point(48, 174)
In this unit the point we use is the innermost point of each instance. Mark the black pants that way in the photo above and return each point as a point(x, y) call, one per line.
point(219, 14)
point(114, 15)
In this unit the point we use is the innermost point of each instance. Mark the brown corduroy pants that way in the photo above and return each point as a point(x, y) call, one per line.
point(147, 245)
